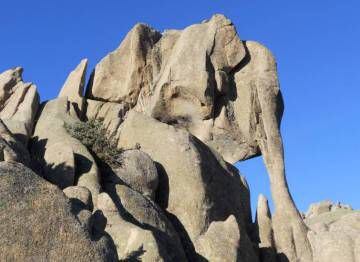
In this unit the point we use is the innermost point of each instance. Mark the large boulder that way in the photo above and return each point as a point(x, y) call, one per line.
point(335, 232)
point(192, 180)
point(36, 222)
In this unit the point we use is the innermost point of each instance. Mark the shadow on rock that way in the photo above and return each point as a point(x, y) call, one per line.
point(135, 256)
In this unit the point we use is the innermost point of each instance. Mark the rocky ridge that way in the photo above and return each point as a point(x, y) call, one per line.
point(176, 110)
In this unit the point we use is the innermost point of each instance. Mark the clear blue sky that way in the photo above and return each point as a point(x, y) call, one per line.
point(316, 44)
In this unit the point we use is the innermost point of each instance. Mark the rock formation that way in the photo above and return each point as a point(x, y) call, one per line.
point(139, 165)
point(73, 88)
point(64, 160)
point(19, 103)
point(335, 232)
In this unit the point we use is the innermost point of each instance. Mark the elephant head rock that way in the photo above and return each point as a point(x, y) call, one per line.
point(221, 89)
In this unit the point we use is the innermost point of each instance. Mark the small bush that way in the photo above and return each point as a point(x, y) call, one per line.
point(93, 136)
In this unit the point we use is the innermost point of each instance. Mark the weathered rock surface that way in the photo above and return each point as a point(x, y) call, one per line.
point(36, 223)
point(335, 232)
point(191, 181)
point(19, 103)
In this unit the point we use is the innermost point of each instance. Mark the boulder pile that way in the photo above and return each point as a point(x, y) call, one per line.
point(137, 164)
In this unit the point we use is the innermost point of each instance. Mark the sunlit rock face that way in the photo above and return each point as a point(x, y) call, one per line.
point(144, 158)
point(19, 102)
point(334, 232)
point(222, 90)
point(191, 79)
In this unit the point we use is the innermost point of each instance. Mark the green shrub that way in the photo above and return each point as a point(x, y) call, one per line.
point(93, 136)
